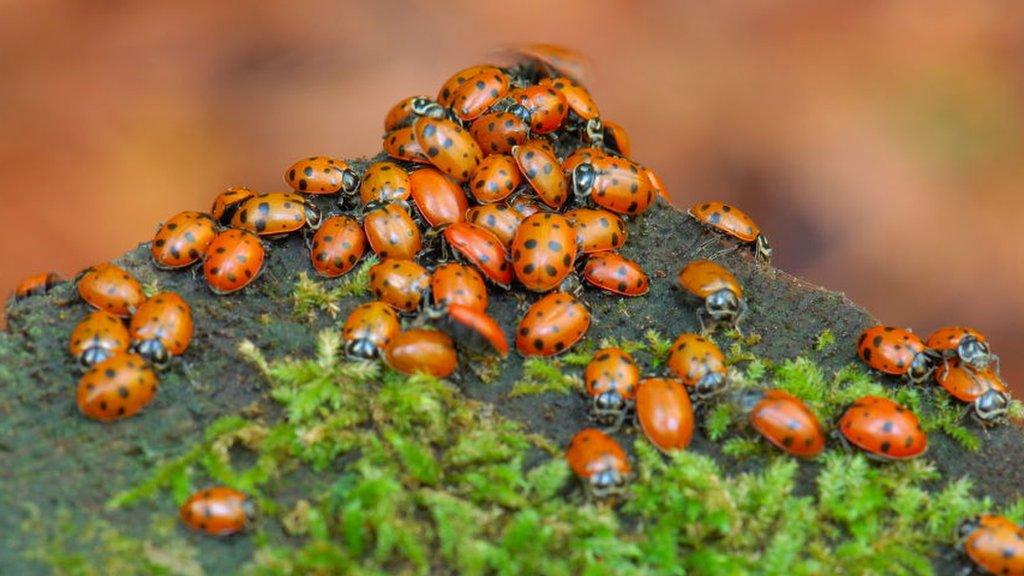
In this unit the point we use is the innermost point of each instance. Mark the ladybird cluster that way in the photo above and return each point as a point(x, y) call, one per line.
point(509, 177)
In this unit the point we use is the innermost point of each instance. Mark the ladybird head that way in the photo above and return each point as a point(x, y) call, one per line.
point(427, 107)
point(152, 350)
point(520, 111)
point(964, 530)
point(313, 217)
point(923, 365)
point(349, 181)
point(723, 305)
point(595, 131)
point(249, 509)
point(610, 402)
point(711, 385)
point(361, 348)
point(973, 352)
point(748, 398)
point(583, 177)
point(94, 355)
point(607, 482)
point(991, 406)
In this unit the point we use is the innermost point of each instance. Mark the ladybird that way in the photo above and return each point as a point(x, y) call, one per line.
point(616, 274)
point(455, 283)
point(408, 109)
point(472, 326)
point(233, 260)
point(615, 138)
point(400, 283)
point(495, 179)
point(498, 219)
point(111, 288)
point(401, 144)
point(579, 156)
point(473, 97)
point(546, 107)
point(369, 328)
point(225, 204)
point(321, 175)
point(599, 461)
point(995, 544)
point(965, 344)
point(422, 350)
point(552, 60)
point(116, 388)
point(659, 189)
point(664, 413)
point(598, 230)
point(276, 214)
point(552, 325)
point(36, 285)
point(97, 337)
point(182, 240)
point(732, 222)
point(543, 172)
point(897, 351)
point(883, 429)
point(438, 199)
point(524, 205)
point(984, 390)
point(544, 251)
point(717, 288)
point(392, 233)
point(384, 182)
point(576, 96)
point(699, 363)
point(616, 184)
point(610, 380)
point(448, 147)
point(785, 421)
point(337, 246)
point(446, 95)
point(480, 248)
point(161, 328)
point(218, 511)
point(498, 132)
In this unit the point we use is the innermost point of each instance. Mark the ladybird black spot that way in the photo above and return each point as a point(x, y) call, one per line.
point(528, 269)
point(429, 130)
point(885, 447)
point(551, 270)
point(530, 244)
point(447, 143)
point(538, 344)
point(555, 245)
point(867, 355)
point(908, 442)
point(433, 151)
point(567, 260)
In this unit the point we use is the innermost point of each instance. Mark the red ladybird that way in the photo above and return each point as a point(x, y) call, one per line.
point(218, 511)
point(965, 344)
point(97, 337)
point(897, 351)
point(524, 205)
point(785, 421)
point(422, 350)
point(408, 109)
point(337, 246)
point(732, 222)
point(883, 429)
point(984, 390)
point(495, 179)
point(576, 96)
point(384, 182)
point(321, 175)
point(116, 388)
point(402, 145)
point(664, 413)
point(598, 230)
point(610, 379)
point(615, 138)
point(392, 233)
point(498, 219)
point(233, 260)
point(579, 156)
point(455, 283)
point(446, 95)
point(36, 285)
point(616, 184)
point(995, 544)
point(182, 240)
point(480, 248)
point(543, 172)
point(552, 59)
point(438, 199)
point(162, 327)
point(276, 214)
point(225, 204)
point(448, 147)
point(400, 283)
point(699, 363)
point(544, 251)
point(717, 289)
point(369, 328)
point(498, 132)
point(473, 97)
point(659, 186)
point(545, 106)
point(616, 274)
point(111, 288)
point(599, 461)
point(552, 325)
point(472, 326)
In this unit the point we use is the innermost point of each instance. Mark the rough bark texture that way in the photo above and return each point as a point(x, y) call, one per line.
point(52, 458)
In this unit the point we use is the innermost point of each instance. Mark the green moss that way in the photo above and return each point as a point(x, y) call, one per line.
point(542, 375)
point(824, 341)
point(310, 296)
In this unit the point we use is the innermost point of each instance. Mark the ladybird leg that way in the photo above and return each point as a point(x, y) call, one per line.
point(994, 359)
point(725, 251)
point(704, 331)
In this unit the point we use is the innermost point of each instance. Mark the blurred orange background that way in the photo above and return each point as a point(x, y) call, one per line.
point(879, 144)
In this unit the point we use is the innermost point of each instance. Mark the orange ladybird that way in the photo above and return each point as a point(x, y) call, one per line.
point(408, 109)
point(369, 328)
point(524, 205)
point(110, 288)
point(883, 429)
point(659, 189)
point(543, 172)
point(392, 233)
point(399, 283)
point(384, 182)
point(498, 219)
point(615, 138)
point(544, 251)
point(717, 289)
point(579, 156)
point(422, 350)
point(552, 60)
point(446, 95)
point(498, 132)
point(182, 240)
point(473, 97)
point(495, 178)
point(276, 214)
point(116, 388)
point(472, 326)
point(599, 461)
point(616, 274)
point(963, 343)
point(598, 230)
point(897, 351)
point(547, 107)
point(984, 390)
point(402, 145)
point(995, 544)
point(732, 222)
point(610, 380)
point(576, 96)
point(233, 260)
point(225, 204)
point(36, 285)
point(321, 175)
point(699, 363)
point(337, 246)
point(440, 200)
point(552, 325)
point(448, 147)
point(161, 328)
point(97, 337)
point(664, 413)
point(455, 283)
point(616, 184)
point(785, 421)
point(480, 248)
point(218, 511)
